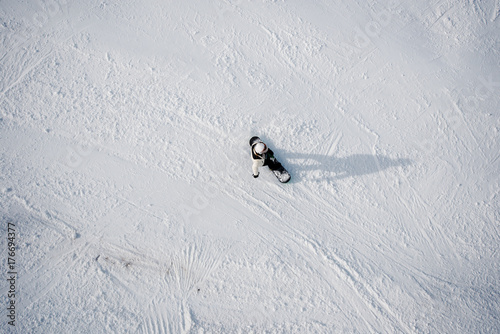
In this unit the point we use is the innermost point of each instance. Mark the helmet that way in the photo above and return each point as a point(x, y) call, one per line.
point(260, 148)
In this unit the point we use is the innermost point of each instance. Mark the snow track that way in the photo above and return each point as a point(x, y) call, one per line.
point(125, 166)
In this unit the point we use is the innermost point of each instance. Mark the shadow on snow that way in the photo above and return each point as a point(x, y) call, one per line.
point(338, 168)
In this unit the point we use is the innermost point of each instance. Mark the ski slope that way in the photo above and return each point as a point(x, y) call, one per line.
point(126, 170)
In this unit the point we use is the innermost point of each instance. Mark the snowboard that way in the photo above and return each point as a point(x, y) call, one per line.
point(274, 165)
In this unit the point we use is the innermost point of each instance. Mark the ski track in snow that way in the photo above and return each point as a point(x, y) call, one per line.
point(125, 165)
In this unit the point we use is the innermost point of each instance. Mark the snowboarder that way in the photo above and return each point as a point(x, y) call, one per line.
point(263, 156)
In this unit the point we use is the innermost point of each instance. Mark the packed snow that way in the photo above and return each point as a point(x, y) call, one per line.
point(127, 198)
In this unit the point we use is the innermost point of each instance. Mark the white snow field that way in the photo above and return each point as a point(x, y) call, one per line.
point(127, 198)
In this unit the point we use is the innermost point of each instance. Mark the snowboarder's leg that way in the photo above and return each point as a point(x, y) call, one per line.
point(272, 163)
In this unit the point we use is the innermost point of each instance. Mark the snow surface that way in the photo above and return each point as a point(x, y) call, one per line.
point(126, 169)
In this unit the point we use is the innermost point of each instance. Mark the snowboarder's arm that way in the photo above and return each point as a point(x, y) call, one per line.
point(255, 167)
